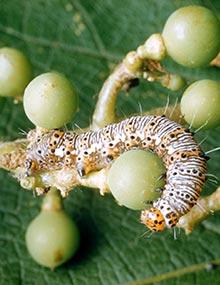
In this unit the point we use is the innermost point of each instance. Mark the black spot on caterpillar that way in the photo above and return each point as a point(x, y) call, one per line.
point(183, 158)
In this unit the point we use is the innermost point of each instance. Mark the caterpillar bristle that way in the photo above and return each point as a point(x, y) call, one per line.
point(173, 109)
point(212, 150)
point(140, 108)
point(201, 127)
point(212, 175)
point(167, 105)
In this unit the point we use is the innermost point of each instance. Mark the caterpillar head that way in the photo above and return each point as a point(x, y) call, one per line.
point(153, 219)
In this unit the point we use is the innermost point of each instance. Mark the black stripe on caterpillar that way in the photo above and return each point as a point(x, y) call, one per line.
point(184, 160)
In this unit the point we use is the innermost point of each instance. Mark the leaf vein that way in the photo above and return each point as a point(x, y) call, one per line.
point(59, 45)
point(176, 273)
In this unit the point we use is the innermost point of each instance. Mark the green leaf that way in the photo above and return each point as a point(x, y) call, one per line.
point(83, 39)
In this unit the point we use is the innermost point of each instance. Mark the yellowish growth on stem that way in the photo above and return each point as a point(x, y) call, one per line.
point(12, 154)
point(52, 201)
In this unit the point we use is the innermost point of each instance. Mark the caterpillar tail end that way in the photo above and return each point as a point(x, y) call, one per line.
point(153, 219)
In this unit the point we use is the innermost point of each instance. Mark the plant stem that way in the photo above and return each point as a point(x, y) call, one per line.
point(204, 207)
point(142, 63)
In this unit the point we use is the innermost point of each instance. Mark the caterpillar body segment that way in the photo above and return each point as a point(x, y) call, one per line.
point(93, 150)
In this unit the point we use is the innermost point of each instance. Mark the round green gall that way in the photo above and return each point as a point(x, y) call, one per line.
point(52, 238)
point(200, 104)
point(15, 72)
point(134, 178)
point(191, 36)
point(50, 100)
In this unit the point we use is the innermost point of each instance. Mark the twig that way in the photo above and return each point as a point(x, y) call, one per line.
point(142, 63)
point(204, 207)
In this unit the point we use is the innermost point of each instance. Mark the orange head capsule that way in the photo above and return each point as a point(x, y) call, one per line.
point(153, 219)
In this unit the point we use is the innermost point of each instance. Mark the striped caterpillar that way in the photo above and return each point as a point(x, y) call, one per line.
point(184, 160)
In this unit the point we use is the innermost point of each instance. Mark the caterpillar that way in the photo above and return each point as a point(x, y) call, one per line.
point(183, 158)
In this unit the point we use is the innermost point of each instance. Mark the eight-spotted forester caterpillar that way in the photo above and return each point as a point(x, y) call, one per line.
point(184, 160)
